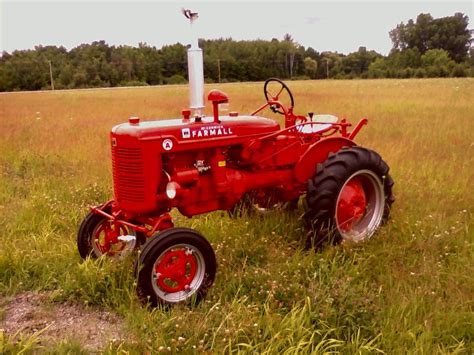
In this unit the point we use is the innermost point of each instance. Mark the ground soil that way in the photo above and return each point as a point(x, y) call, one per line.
point(29, 313)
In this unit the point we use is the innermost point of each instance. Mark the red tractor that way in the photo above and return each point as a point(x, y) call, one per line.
point(203, 164)
point(198, 164)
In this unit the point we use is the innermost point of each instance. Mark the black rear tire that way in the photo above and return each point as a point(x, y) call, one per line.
point(368, 207)
point(178, 265)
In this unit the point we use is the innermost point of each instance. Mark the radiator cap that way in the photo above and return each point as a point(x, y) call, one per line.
point(134, 120)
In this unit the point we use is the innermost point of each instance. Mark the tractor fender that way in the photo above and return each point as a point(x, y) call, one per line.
point(317, 153)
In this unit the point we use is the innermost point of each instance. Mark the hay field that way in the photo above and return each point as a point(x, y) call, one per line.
point(409, 289)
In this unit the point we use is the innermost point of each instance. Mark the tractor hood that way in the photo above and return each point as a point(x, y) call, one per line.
point(207, 129)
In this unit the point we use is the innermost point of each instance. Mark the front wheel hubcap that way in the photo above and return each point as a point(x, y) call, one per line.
point(105, 239)
point(178, 273)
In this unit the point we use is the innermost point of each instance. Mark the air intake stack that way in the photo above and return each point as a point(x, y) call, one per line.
point(195, 69)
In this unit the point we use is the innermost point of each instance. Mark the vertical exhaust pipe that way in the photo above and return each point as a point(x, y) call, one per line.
point(195, 69)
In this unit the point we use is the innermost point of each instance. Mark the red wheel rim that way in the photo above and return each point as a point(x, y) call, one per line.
point(351, 205)
point(106, 238)
point(176, 270)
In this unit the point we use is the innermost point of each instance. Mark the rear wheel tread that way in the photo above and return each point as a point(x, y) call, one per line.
point(331, 175)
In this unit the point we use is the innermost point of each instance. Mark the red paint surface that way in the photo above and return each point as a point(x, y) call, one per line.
point(351, 205)
point(176, 270)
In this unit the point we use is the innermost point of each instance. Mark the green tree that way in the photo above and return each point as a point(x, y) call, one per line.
point(331, 65)
point(449, 33)
point(378, 68)
point(311, 67)
point(436, 62)
point(66, 77)
point(357, 64)
point(407, 58)
point(290, 46)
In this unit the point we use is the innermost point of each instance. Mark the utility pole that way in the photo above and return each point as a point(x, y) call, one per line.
point(292, 60)
point(327, 68)
point(51, 75)
point(218, 70)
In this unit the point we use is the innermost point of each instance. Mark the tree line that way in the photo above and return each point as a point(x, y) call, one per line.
point(427, 47)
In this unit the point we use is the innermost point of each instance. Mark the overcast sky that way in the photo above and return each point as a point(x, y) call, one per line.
point(340, 26)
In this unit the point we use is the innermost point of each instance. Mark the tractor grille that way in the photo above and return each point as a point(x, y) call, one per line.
point(128, 171)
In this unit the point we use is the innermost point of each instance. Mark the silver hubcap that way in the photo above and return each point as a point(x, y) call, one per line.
point(195, 273)
point(368, 201)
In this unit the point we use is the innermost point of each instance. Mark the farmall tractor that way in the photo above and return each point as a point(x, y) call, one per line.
point(198, 164)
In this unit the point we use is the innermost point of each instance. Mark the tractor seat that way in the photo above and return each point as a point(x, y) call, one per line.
point(317, 127)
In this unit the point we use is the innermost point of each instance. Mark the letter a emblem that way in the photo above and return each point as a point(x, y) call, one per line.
point(167, 144)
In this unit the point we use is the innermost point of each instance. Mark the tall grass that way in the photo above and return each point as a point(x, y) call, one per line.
point(409, 289)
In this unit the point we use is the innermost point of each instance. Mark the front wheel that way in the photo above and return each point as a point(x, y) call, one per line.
point(176, 266)
point(98, 236)
point(349, 197)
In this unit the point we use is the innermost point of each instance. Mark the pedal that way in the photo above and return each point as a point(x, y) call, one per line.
point(127, 238)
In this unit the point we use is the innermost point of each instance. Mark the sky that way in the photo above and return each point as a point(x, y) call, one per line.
point(336, 25)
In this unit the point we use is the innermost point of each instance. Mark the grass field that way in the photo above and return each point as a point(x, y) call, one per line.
point(410, 289)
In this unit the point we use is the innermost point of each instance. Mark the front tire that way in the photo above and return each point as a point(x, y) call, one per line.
point(348, 198)
point(176, 266)
point(97, 236)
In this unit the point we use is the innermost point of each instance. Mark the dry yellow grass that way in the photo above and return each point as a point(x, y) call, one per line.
point(412, 123)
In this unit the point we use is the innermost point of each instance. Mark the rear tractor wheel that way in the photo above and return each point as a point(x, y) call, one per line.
point(178, 265)
point(348, 198)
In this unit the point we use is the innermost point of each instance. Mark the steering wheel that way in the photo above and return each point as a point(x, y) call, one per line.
point(272, 86)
